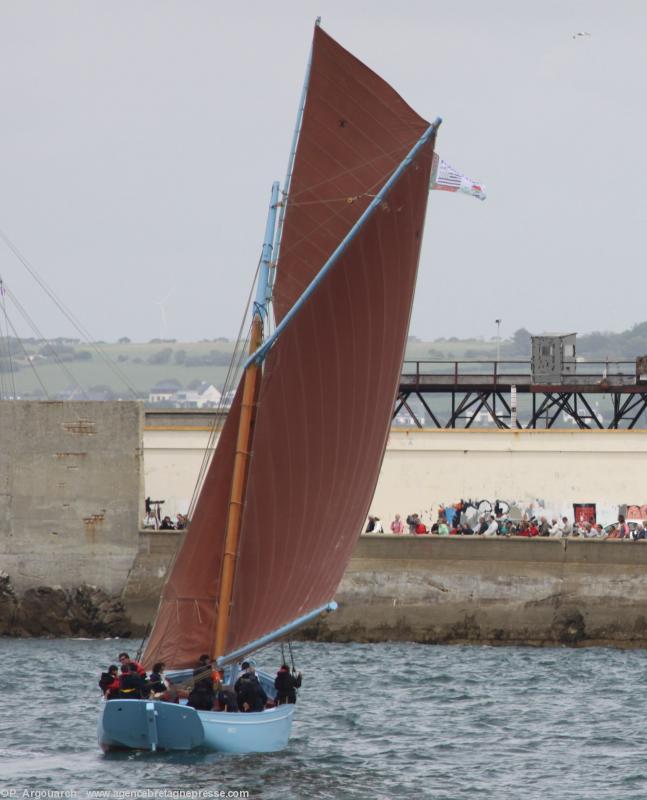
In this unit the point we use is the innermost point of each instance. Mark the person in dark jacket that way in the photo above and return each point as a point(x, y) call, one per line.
point(109, 682)
point(156, 682)
point(286, 685)
point(131, 684)
point(227, 700)
point(201, 696)
point(249, 692)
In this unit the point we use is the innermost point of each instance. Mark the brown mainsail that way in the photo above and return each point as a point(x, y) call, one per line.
point(355, 131)
point(329, 382)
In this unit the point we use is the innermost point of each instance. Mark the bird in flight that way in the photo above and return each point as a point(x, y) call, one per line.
point(581, 33)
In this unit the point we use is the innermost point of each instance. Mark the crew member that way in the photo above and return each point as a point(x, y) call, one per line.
point(249, 692)
point(124, 658)
point(109, 682)
point(286, 685)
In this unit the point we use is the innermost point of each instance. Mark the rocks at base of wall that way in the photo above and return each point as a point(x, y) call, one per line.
point(567, 627)
point(53, 611)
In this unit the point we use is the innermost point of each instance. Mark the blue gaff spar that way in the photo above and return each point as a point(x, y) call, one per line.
point(290, 482)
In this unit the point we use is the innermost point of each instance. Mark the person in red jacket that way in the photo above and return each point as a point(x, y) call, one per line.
point(125, 659)
point(109, 683)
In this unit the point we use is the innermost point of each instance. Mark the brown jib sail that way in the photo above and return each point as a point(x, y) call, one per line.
point(329, 383)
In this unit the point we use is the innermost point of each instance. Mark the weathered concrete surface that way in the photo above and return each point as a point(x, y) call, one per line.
point(71, 489)
point(494, 591)
point(442, 590)
point(146, 578)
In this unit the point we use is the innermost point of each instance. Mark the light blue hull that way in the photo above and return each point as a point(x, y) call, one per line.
point(155, 725)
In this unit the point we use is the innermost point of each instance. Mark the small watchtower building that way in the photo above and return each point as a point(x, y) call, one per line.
point(553, 357)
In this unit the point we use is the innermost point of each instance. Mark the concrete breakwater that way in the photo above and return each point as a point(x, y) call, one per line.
point(461, 590)
point(492, 591)
point(403, 588)
point(72, 485)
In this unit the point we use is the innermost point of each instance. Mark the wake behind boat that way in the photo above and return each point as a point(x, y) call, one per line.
point(303, 442)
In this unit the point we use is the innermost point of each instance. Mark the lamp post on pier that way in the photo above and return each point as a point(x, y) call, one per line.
point(498, 339)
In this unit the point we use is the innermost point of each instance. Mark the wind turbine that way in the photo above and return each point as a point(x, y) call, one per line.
point(162, 306)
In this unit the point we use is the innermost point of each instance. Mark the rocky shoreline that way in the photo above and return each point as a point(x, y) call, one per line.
point(55, 612)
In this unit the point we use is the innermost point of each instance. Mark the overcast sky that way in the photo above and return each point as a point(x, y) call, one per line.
point(139, 141)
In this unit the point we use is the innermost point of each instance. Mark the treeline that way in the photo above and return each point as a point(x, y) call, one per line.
point(596, 346)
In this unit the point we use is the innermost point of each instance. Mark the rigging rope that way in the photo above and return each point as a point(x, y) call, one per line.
point(237, 359)
point(11, 382)
point(39, 335)
point(335, 214)
point(85, 334)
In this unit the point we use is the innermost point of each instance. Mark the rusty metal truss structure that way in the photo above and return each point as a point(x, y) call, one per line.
point(465, 394)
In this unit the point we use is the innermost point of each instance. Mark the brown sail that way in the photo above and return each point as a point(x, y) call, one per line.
point(325, 407)
point(329, 383)
point(355, 131)
point(185, 624)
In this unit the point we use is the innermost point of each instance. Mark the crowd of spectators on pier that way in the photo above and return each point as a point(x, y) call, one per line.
point(453, 521)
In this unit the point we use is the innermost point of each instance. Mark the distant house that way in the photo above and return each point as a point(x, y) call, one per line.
point(170, 394)
point(164, 392)
point(206, 396)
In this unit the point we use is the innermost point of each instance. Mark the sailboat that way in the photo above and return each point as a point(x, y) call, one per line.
point(296, 464)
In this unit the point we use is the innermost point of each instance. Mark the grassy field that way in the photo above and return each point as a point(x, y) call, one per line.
point(143, 365)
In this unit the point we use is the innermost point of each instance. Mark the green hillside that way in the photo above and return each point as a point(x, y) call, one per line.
point(57, 366)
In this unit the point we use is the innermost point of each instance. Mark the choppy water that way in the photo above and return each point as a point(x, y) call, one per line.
point(373, 721)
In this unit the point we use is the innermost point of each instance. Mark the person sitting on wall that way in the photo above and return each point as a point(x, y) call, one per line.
point(109, 682)
point(286, 685)
point(167, 524)
point(412, 522)
point(533, 528)
point(492, 527)
point(623, 527)
point(377, 526)
point(421, 527)
point(482, 526)
point(639, 533)
point(397, 526)
point(249, 692)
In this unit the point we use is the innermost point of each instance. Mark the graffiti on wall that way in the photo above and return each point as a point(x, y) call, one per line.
point(584, 512)
point(634, 512)
point(470, 511)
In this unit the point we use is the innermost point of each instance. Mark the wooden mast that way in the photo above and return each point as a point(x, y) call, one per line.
point(238, 485)
point(244, 437)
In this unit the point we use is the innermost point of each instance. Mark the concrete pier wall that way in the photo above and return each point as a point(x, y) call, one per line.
point(71, 488)
point(495, 591)
point(458, 590)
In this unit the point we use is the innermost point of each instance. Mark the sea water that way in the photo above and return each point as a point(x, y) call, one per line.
point(372, 721)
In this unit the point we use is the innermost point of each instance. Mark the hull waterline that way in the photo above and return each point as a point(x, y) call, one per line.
point(155, 725)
